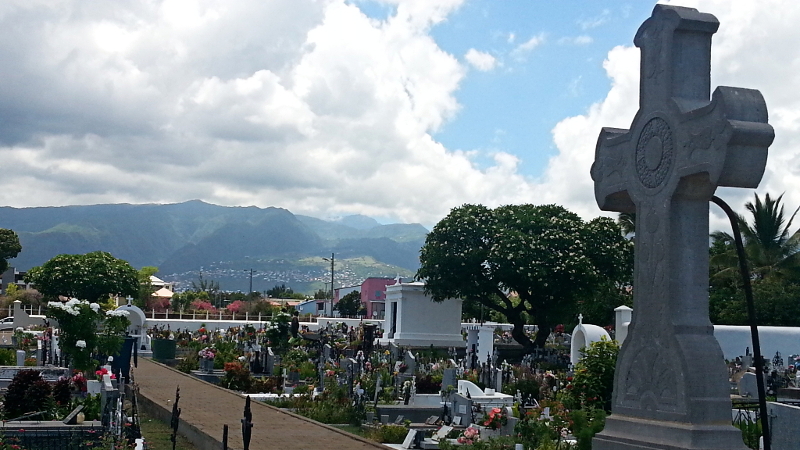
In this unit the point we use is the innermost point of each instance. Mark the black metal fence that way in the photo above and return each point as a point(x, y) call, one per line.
point(54, 438)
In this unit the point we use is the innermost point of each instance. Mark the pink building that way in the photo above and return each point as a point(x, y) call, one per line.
point(373, 295)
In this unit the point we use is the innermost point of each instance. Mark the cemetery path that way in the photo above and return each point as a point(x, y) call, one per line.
point(206, 408)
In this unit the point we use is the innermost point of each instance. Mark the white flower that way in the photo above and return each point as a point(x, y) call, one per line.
point(117, 313)
point(95, 307)
point(20, 329)
point(80, 344)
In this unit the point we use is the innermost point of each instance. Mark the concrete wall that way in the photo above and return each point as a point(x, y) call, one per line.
point(735, 339)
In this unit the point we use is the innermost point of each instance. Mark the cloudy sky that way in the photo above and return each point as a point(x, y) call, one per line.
point(397, 109)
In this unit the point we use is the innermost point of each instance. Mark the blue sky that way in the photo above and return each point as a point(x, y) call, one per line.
point(516, 106)
point(396, 109)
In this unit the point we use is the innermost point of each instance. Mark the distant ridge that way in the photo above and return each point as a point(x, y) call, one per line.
point(184, 238)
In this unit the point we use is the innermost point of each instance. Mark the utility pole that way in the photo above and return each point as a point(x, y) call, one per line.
point(251, 284)
point(331, 260)
point(332, 291)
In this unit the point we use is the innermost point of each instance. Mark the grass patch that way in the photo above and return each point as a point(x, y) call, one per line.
point(358, 431)
point(157, 434)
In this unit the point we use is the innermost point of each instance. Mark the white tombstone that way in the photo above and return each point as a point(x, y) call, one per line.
point(488, 399)
point(414, 320)
point(622, 319)
point(138, 326)
point(583, 335)
point(481, 336)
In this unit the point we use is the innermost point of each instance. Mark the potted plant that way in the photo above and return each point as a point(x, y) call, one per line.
point(163, 344)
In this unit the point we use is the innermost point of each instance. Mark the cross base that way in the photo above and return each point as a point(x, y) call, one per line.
point(630, 433)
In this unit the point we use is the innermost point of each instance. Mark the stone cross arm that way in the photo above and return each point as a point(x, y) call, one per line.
point(724, 141)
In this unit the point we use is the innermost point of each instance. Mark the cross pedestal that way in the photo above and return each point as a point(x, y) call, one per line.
point(671, 389)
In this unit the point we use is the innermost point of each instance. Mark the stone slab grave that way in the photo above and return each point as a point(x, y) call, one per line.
point(783, 425)
point(671, 389)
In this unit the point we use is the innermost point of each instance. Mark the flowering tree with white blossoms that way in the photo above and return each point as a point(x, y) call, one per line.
point(85, 329)
point(524, 260)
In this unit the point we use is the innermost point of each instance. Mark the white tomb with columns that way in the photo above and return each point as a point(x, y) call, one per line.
point(414, 320)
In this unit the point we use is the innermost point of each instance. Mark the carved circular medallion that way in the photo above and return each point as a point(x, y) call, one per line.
point(654, 152)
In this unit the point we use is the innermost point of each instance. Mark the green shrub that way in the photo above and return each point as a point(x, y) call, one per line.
point(494, 443)
point(267, 385)
point(388, 434)
point(25, 394)
point(585, 424)
point(593, 381)
point(91, 407)
point(751, 432)
point(528, 388)
point(189, 363)
point(61, 392)
point(7, 357)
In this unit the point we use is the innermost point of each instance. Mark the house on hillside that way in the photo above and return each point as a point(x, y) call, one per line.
point(159, 284)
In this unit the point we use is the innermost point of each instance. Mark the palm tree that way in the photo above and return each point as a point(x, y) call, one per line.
point(771, 250)
point(627, 223)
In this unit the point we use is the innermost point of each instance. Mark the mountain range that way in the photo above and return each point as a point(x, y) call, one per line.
point(228, 245)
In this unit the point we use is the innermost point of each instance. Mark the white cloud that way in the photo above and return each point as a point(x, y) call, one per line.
point(301, 104)
point(753, 48)
point(576, 40)
point(480, 60)
point(311, 106)
point(596, 21)
point(526, 47)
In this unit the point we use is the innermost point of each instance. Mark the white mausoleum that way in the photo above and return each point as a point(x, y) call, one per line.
point(414, 320)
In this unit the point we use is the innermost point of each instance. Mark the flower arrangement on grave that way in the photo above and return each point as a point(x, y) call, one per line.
point(495, 419)
point(549, 421)
point(21, 339)
point(469, 436)
point(207, 353)
point(79, 381)
point(104, 371)
point(237, 377)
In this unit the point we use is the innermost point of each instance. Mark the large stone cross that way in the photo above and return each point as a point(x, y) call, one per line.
point(671, 387)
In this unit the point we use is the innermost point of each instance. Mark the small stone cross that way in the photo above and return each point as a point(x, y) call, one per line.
point(665, 168)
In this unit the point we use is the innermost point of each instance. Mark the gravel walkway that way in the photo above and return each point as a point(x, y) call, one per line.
point(206, 407)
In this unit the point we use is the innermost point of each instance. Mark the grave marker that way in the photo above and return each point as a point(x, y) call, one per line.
point(671, 388)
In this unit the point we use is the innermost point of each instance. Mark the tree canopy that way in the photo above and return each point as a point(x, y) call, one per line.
point(773, 257)
point(281, 291)
point(9, 247)
point(93, 277)
point(524, 259)
point(349, 305)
